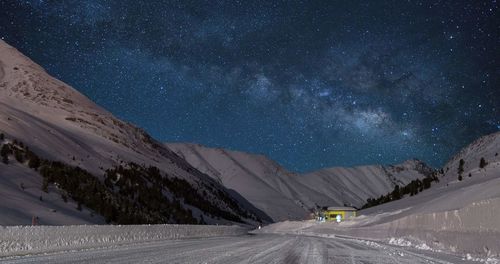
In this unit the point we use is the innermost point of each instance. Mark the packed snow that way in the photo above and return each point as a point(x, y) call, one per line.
point(262, 248)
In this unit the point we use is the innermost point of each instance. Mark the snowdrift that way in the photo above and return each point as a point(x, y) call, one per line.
point(21, 240)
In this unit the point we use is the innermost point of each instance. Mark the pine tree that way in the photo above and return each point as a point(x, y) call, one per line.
point(461, 166)
point(2, 136)
point(45, 185)
point(19, 156)
point(4, 152)
point(460, 169)
point(427, 183)
point(482, 163)
point(396, 195)
point(34, 162)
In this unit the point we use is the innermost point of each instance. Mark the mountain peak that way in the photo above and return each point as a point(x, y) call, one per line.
point(23, 79)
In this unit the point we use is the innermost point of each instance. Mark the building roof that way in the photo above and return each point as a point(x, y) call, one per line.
point(341, 208)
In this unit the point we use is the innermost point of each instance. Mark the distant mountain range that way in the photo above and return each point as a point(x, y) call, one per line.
point(286, 195)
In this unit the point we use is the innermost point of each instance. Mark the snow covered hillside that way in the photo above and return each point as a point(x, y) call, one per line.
point(285, 195)
point(22, 199)
point(57, 123)
point(353, 186)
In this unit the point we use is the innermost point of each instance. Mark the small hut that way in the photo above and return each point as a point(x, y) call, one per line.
point(345, 213)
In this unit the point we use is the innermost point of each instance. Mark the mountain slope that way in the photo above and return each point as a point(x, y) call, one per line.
point(286, 195)
point(263, 182)
point(60, 124)
point(353, 186)
point(487, 147)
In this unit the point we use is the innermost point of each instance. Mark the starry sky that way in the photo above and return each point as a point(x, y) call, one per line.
point(311, 84)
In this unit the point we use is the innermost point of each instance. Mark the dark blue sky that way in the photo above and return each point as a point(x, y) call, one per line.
point(310, 84)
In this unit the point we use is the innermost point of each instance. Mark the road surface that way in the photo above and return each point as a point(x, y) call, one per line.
point(265, 248)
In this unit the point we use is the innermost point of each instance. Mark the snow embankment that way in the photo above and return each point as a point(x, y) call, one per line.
point(473, 229)
point(21, 240)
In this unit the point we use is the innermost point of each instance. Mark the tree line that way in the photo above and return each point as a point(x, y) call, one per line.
point(413, 188)
point(131, 194)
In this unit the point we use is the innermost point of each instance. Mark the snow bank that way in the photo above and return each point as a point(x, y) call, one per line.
point(472, 229)
point(423, 246)
point(406, 243)
point(20, 240)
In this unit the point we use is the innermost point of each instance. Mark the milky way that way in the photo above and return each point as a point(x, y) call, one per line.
point(308, 84)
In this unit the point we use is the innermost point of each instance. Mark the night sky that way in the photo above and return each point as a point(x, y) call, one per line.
point(309, 84)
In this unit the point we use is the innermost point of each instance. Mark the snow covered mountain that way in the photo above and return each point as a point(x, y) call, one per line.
point(285, 195)
point(353, 186)
point(56, 123)
point(263, 182)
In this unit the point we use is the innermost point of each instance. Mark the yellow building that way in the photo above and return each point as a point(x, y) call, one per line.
point(344, 212)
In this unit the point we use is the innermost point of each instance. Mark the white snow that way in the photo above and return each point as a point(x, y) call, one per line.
point(263, 248)
point(22, 240)
point(406, 243)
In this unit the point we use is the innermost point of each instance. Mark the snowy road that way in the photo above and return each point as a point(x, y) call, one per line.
point(243, 249)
